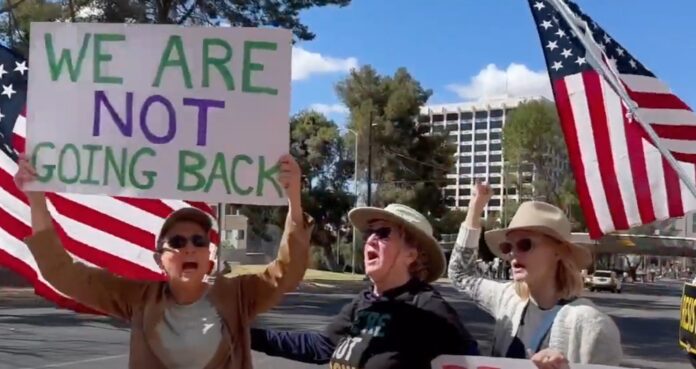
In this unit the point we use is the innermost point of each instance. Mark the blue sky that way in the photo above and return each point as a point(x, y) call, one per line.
point(465, 49)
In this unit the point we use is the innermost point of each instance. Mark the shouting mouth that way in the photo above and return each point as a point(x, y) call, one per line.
point(189, 265)
point(372, 255)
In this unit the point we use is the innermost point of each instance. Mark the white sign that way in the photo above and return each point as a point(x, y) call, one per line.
point(159, 111)
point(484, 362)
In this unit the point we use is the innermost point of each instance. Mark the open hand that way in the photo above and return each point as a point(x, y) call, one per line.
point(550, 359)
point(290, 177)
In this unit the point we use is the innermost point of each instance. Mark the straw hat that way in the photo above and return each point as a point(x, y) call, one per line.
point(543, 218)
point(412, 220)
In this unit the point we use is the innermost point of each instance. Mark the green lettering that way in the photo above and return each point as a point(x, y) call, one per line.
point(190, 168)
point(267, 174)
point(233, 174)
point(219, 172)
point(61, 164)
point(65, 58)
point(250, 67)
point(118, 168)
point(49, 168)
point(100, 57)
point(217, 62)
point(174, 44)
point(149, 174)
point(90, 165)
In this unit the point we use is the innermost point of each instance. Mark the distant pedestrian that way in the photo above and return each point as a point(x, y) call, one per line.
point(401, 320)
point(540, 315)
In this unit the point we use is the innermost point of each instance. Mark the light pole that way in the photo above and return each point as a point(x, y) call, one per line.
point(355, 188)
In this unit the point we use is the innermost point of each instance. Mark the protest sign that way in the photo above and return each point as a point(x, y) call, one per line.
point(687, 320)
point(484, 362)
point(159, 111)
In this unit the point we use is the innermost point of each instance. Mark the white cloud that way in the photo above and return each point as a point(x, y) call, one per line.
point(328, 109)
point(306, 63)
point(516, 81)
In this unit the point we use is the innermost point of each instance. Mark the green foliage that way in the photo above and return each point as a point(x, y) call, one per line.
point(532, 134)
point(250, 13)
point(408, 166)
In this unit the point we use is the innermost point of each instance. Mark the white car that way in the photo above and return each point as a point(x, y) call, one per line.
point(605, 280)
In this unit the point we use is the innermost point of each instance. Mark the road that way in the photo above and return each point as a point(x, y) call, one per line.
point(44, 337)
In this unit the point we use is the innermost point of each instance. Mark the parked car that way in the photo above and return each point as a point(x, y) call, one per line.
point(605, 280)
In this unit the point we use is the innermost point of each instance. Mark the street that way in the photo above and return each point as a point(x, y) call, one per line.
point(43, 337)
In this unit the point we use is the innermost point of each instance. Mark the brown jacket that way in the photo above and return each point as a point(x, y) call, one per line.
point(238, 299)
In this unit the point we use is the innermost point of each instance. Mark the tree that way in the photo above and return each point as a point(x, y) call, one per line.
point(249, 13)
point(318, 147)
point(532, 135)
point(408, 165)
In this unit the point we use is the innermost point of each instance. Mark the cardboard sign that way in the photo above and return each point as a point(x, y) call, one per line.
point(484, 362)
point(159, 111)
point(687, 321)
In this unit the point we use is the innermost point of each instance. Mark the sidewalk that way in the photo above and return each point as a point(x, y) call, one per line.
point(19, 297)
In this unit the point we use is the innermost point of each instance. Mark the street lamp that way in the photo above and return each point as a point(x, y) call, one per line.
point(355, 188)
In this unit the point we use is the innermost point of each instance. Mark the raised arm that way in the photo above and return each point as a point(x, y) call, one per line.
point(93, 287)
point(264, 290)
point(484, 292)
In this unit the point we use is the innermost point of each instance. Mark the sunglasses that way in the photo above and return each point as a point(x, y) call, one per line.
point(382, 233)
point(521, 246)
point(179, 242)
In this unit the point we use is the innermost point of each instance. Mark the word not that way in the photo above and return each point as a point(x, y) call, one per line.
point(126, 125)
point(173, 57)
point(101, 165)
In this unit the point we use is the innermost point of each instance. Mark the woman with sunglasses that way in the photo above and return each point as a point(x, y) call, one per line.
point(539, 314)
point(188, 320)
point(400, 321)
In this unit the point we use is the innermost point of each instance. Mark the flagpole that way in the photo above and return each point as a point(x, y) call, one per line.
point(566, 14)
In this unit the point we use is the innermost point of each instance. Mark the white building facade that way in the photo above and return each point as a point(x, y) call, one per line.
point(476, 129)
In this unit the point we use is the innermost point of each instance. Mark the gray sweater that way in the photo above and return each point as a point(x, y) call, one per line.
point(580, 331)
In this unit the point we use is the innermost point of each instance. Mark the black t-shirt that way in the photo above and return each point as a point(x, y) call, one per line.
point(406, 327)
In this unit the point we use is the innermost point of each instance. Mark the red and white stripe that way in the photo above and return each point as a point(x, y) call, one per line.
point(622, 179)
point(108, 232)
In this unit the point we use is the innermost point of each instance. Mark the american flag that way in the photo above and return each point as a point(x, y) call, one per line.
point(114, 233)
point(622, 179)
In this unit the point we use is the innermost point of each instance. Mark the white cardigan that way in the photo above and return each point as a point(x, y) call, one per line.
point(580, 331)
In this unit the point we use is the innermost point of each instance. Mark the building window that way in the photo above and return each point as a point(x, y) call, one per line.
point(478, 170)
point(438, 118)
point(496, 169)
point(494, 202)
point(450, 192)
point(466, 148)
point(481, 125)
point(481, 114)
point(424, 119)
point(453, 139)
point(465, 159)
point(497, 124)
point(496, 147)
point(465, 192)
point(479, 159)
point(465, 126)
point(467, 116)
point(466, 169)
point(496, 113)
point(452, 117)
point(693, 223)
point(495, 135)
point(480, 137)
point(480, 148)
point(465, 181)
point(494, 180)
point(496, 158)
point(466, 138)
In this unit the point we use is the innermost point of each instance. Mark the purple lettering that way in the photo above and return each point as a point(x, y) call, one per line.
point(172, 120)
point(126, 127)
point(203, 105)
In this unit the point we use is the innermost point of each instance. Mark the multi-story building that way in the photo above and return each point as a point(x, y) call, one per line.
point(476, 128)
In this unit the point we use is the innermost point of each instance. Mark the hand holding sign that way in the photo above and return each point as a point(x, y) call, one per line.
point(550, 359)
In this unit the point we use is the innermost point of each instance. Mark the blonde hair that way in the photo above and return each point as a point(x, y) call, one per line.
point(569, 282)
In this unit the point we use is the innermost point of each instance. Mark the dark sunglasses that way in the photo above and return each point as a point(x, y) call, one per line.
point(522, 245)
point(382, 233)
point(179, 242)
